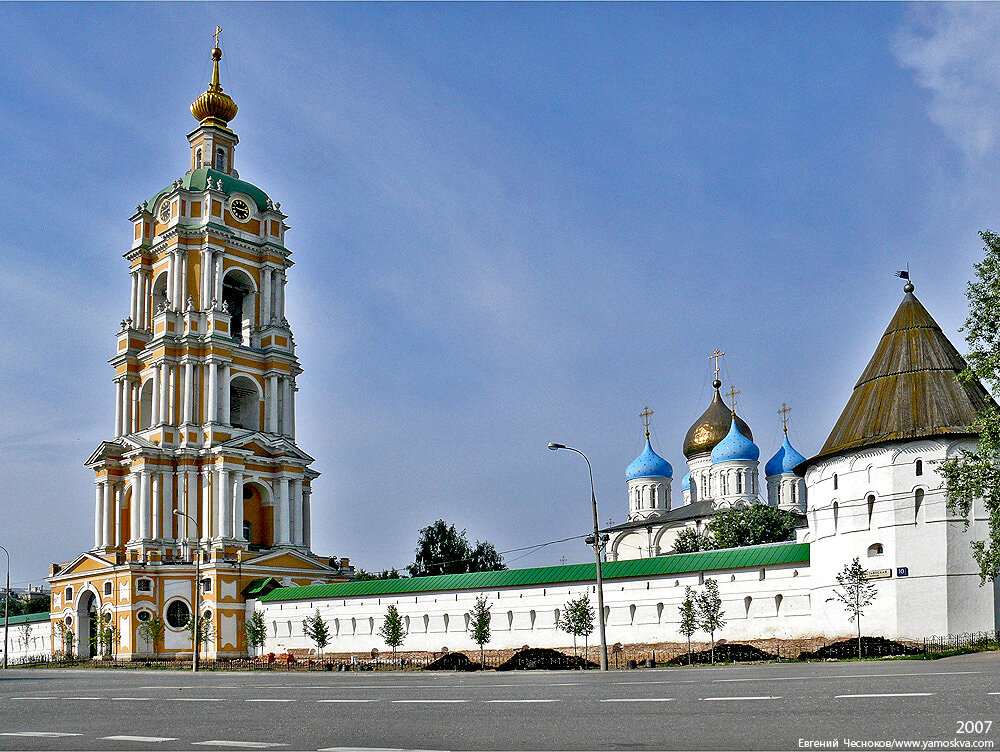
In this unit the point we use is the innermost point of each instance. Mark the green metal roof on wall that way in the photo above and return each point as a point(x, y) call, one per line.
point(27, 618)
point(703, 561)
point(196, 181)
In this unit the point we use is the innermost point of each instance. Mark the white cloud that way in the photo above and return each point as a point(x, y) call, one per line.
point(951, 49)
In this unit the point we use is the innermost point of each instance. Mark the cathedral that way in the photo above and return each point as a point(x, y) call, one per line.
point(203, 467)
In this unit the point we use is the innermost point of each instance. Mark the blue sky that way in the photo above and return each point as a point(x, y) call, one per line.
point(512, 224)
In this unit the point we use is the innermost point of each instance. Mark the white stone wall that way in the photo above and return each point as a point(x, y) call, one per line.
point(39, 641)
point(773, 602)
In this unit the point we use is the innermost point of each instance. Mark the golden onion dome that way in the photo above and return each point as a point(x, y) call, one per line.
point(712, 426)
point(214, 107)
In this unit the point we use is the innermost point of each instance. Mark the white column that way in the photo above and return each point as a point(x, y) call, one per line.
point(281, 511)
point(140, 302)
point(265, 296)
point(119, 500)
point(132, 417)
point(205, 524)
point(222, 511)
point(296, 517)
point(307, 517)
point(156, 506)
point(189, 392)
point(286, 403)
point(119, 408)
point(98, 514)
point(213, 392)
point(133, 307)
point(218, 276)
point(154, 403)
point(290, 409)
point(271, 403)
point(147, 300)
point(281, 294)
point(206, 278)
point(126, 413)
point(224, 394)
point(108, 534)
point(238, 505)
point(144, 505)
point(161, 372)
point(167, 516)
point(171, 279)
point(135, 531)
point(172, 417)
point(182, 304)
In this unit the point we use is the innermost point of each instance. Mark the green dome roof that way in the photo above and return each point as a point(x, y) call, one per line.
point(196, 181)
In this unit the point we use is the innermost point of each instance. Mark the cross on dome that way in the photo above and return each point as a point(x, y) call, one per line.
point(646, 412)
point(783, 412)
point(733, 393)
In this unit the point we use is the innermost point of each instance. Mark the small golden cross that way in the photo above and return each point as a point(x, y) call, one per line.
point(646, 412)
point(783, 412)
point(733, 394)
point(717, 354)
point(218, 30)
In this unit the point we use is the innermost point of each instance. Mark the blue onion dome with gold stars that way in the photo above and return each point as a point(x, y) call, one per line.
point(648, 465)
point(785, 460)
point(712, 426)
point(735, 446)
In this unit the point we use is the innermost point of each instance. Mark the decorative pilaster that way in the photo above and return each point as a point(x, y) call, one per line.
point(99, 514)
point(238, 505)
point(108, 533)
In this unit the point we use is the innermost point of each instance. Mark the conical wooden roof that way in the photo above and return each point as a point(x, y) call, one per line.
point(909, 389)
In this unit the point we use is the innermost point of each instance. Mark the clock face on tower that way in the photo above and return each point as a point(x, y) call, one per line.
point(165, 211)
point(239, 209)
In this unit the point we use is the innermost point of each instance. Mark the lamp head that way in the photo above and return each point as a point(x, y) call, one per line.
point(553, 446)
point(177, 512)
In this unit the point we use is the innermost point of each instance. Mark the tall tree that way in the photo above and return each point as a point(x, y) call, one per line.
point(709, 604)
point(479, 625)
point(256, 631)
point(692, 539)
point(25, 637)
point(689, 617)
point(857, 593)
point(150, 631)
point(385, 574)
point(315, 629)
point(752, 525)
point(442, 549)
point(975, 474)
point(392, 630)
point(200, 628)
point(577, 619)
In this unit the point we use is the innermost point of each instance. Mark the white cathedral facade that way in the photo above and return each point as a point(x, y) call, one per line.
point(872, 492)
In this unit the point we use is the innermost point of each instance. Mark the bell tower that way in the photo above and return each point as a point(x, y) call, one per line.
point(203, 459)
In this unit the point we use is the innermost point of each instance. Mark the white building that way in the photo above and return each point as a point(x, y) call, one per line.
point(873, 491)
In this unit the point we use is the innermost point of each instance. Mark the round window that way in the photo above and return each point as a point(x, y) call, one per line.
point(178, 614)
point(69, 621)
point(144, 616)
point(207, 616)
point(107, 618)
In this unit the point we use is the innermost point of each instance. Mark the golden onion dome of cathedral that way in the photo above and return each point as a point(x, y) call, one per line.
point(712, 426)
point(214, 107)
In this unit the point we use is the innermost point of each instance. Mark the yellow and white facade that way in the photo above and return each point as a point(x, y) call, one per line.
point(203, 457)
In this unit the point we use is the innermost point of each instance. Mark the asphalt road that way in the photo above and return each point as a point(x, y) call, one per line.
point(774, 706)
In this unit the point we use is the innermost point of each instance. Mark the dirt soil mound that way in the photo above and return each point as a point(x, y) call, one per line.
point(543, 658)
point(871, 647)
point(730, 652)
point(453, 662)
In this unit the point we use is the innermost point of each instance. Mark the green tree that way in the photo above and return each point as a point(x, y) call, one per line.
point(751, 525)
point(975, 473)
point(709, 605)
point(315, 629)
point(385, 574)
point(200, 629)
point(107, 637)
point(692, 539)
point(24, 637)
point(857, 593)
point(256, 631)
point(577, 619)
point(392, 630)
point(442, 549)
point(479, 625)
point(689, 617)
point(150, 631)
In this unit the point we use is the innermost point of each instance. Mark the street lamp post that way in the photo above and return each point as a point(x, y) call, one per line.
point(6, 608)
point(196, 629)
point(598, 545)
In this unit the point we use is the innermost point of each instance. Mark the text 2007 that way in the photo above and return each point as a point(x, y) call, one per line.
point(974, 727)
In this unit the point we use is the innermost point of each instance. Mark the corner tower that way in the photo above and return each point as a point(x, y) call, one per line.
point(204, 459)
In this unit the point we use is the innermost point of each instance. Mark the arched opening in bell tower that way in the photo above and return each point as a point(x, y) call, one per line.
point(258, 516)
point(146, 404)
point(244, 403)
point(159, 292)
point(237, 294)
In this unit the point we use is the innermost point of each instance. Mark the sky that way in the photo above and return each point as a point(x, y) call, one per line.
point(511, 224)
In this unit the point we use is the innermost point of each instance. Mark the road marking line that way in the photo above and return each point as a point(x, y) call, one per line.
point(34, 698)
point(772, 678)
point(373, 749)
point(241, 745)
point(343, 700)
point(81, 698)
point(268, 699)
point(191, 687)
point(890, 694)
point(638, 683)
point(430, 701)
point(135, 699)
point(520, 700)
point(992, 693)
point(639, 699)
point(42, 734)
point(195, 699)
point(141, 738)
point(757, 697)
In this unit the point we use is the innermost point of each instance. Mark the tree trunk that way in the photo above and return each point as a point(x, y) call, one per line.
point(859, 638)
point(712, 638)
point(689, 650)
